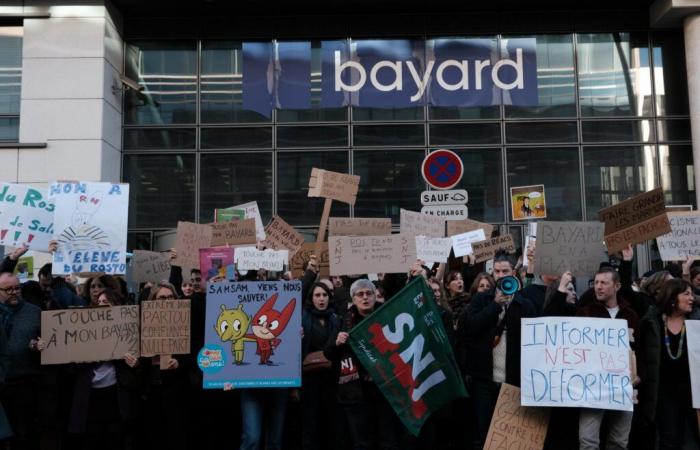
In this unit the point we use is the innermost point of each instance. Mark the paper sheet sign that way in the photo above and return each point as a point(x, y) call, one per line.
point(253, 212)
point(487, 249)
point(334, 185)
point(250, 258)
point(465, 225)
point(150, 266)
point(358, 226)
point(282, 236)
point(371, 254)
point(165, 327)
point(303, 255)
point(433, 249)
point(236, 232)
point(569, 246)
point(684, 238)
point(514, 426)
point(26, 216)
point(462, 243)
point(692, 329)
point(419, 224)
point(189, 239)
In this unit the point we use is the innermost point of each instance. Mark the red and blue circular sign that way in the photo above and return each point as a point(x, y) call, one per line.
point(442, 169)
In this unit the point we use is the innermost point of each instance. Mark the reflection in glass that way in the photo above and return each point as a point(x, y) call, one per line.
point(483, 180)
point(312, 136)
point(670, 76)
point(617, 131)
point(676, 163)
point(465, 133)
point(369, 135)
point(534, 132)
point(10, 69)
point(215, 138)
point(9, 129)
point(674, 130)
point(138, 241)
point(160, 139)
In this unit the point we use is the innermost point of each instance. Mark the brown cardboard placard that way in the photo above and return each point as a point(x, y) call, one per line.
point(165, 327)
point(236, 232)
point(393, 253)
point(515, 426)
point(485, 250)
point(303, 255)
point(569, 246)
point(632, 211)
point(281, 236)
point(189, 239)
point(358, 226)
point(418, 224)
point(638, 233)
point(334, 185)
point(150, 266)
point(90, 334)
point(455, 227)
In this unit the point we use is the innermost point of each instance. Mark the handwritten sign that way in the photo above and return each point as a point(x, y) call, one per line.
point(433, 249)
point(282, 236)
point(635, 220)
point(250, 258)
point(578, 362)
point(514, 426)
point(392, 253)
point(165, 327)
point(303, 255)
point(334, 185)
point(462, 226)
point(358, 226)
point(487, 249)
point(189, 239)
point(573, 246)
point(236, 232)
point(692, 328)
point(684, 238)
point(253, 212)
point(462, 243)
point(419, 224)
point(89, 334)
point(26, 216)
point(150, 266)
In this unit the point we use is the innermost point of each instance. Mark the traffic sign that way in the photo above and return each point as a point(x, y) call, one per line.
point(451, 197)
point(442, 169)
point(447, 212)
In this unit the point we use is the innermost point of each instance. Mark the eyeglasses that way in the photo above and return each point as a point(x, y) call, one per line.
point(364, 293)
point(165, 297)
point(198, 279)
point(7, 290)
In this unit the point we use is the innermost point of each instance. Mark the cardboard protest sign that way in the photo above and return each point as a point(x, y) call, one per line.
point(358, 226)
point(89, 334)
point(282, 236)
point(150, 266)
point(527, 202)
point(433, 249)
point(250, 258)
point(189, 239)
point(684, 238)
point(573, 246)
point(462, 226)
point(236, 232)
point(515, 426)
point(165, 327)
point(90, 223)
point(333, 185)
point(462, 243)
point(303, 255)
point(635, 220)
point(678, 208)
point(252, 335)
point(487, 249)
point(216, 263)
point(24, 268)
point(26, 216)
point(393, 253)
point(253, 212)
point(228, 214)
point(692, 329)
point(405, 349)
point(419, 224)
point(580, 362)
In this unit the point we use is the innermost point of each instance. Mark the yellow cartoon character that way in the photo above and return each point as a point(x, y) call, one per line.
point(231, 325)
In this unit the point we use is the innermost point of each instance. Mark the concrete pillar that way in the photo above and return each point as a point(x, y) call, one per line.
point(691, 30)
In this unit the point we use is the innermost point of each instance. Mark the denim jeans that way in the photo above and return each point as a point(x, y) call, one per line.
point(619, 424)
point(263, 407)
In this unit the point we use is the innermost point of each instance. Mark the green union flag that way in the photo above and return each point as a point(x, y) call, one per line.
point(404, 347)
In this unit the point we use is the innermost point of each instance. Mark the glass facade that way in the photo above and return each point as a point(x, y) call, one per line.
point(10, 82)
point(611, 121)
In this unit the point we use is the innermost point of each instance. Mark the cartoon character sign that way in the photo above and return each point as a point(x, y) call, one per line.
point(268, 324)
point(231, 325)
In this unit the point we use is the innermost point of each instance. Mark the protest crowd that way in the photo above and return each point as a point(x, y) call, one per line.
point(490, 310)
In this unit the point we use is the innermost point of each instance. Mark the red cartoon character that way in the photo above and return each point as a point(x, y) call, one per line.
point(267, 325)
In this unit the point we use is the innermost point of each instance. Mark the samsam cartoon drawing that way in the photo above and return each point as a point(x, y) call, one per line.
point(231, 325)
point(268, 324)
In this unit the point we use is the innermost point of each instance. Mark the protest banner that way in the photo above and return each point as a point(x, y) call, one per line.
point(462, 243)
point(635, 220)
point(487, 249)
point(573, 246)
point(528, 202)
point(580, 362)
point(216, 264)
point(514, 426)
point(433, 249)
point(358, 226)
point(90, 224)
point(282, 236)
point(252, 335)
point(462, 226)
point(165, 327)
point(333, 185)
point(228, 214)
point(405, 349)
point(26, 217)
point(150, 266)
point(303, 255)
point(253, 212)
point(89, 334)
point(250, 258)
point(684, 238)
point(236, 232)
point(692, 329)
point(418, 224)
point(393, 253)
point(190, 237)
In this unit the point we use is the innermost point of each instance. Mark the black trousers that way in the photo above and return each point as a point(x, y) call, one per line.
point(21, 403)
point(318, 410)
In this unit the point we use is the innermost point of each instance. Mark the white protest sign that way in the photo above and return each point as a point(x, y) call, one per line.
point(579, 362)
point(90, 223)
point(253, 212)
point(462, 243)
point(692, 329)
point(26, 216)
point(433, 249)
point(419, 224)
point(684, 238)
point(250, 258)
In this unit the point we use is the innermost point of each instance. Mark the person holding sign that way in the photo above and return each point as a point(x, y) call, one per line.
point(665, 397)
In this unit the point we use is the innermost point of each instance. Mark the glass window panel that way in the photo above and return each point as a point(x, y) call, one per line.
point(555, 79)
point(483, 180)
point(534, 132)
point(677, 174)
point(389, 180)
point(617, 131)
point(168, 73)
point(231, 179)
point(138, 241)
point(162, 189)
point(387, 114)
point(366, 135)
point(312, 136)
point(160, 139)
point(9, 129)
point(465, 133)
point(10, 69)
point(293, 172)
point(613, 174)
point(614, 75)
point(215, 138)
point(670, 76)
point(557, 170)
point(674, 130)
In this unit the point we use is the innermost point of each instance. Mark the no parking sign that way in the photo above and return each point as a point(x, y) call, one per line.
point(442, 169)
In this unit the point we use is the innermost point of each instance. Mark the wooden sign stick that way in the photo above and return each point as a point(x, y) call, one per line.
point(322, 226)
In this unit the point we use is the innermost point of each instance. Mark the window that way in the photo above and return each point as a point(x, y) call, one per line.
point(10, 82)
